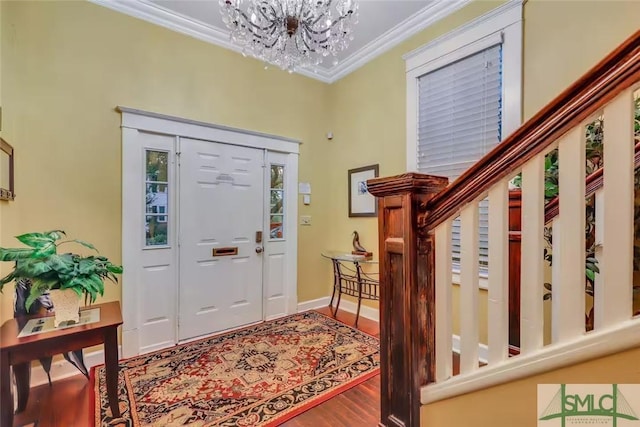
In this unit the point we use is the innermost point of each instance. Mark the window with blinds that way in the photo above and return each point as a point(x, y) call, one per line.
point(460, 120)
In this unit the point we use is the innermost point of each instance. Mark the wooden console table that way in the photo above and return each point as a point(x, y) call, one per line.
point(352, 281)
point(19, 352)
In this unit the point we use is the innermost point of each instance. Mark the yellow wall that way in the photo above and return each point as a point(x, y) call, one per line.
point(67, 68)
point(515, 403)
point(483, 301)
point(563, 39)
point(367, 117)
point(3, 269)
point(368, 120)
point(67, 65)
point(2, 204)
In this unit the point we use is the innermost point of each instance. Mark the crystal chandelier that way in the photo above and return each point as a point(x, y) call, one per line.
point(291, 33)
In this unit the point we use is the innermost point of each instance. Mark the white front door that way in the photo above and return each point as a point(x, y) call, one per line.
point(173, 216)
point(221, 192)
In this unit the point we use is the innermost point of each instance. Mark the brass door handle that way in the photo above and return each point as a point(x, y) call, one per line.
point(259, 249)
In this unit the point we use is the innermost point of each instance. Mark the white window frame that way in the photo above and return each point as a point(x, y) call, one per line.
point(284, 203)
point(501, 25)
point(162, 210)
point(166, 190)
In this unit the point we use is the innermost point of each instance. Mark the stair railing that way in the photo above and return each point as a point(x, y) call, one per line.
point(415, 216)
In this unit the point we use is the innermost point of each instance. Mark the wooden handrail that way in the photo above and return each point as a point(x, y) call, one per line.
point(593, 183)
point(618, 71)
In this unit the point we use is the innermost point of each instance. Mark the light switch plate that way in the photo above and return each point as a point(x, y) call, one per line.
point(306, 199)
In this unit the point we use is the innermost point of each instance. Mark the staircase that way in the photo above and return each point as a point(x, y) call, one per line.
point(415, 218)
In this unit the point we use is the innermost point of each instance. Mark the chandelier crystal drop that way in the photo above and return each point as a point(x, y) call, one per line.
point(291, 34)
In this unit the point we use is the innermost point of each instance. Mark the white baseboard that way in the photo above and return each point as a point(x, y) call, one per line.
point(365, 311)
point(313, 304)
point(483, 349)
point(346, 305)
point(129, 343)
point(62, 369)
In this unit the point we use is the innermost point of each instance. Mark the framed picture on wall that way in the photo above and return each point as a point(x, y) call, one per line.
point(361, 202)
point(7, 189)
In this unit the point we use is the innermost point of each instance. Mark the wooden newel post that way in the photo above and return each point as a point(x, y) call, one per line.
point(407, 294)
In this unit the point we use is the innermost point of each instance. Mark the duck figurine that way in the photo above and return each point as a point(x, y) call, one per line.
point(358, 249)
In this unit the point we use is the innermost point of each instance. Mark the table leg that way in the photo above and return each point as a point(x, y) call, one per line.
point(335, 312)
point(333, 295)
point(359, 276)
point(6, 400)
point(22, 373)
point(111, 368)
point(336, 282)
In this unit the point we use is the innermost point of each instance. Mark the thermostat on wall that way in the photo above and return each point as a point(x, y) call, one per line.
point(304, 188)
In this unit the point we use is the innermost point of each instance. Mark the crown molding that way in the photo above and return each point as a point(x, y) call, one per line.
point(427, 16)
point(508, 13)
point(156, 14)
point(164, 17)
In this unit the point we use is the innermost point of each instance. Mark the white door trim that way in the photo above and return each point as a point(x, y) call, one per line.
point(133, 123)
point(172, 125)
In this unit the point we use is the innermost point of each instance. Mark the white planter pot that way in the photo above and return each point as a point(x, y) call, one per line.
point(66, 305)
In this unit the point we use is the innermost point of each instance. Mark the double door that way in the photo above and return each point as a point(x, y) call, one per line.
point(216, 249)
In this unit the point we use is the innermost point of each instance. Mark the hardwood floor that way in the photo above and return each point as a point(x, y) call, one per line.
point(67, 402)
point(358, 406)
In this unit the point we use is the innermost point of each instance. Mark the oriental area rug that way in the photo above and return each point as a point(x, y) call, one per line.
point(261, 375)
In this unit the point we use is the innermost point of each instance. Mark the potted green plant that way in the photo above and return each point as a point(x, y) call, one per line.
point(66, 276)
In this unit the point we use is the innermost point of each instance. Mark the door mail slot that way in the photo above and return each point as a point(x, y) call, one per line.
point(225, 251)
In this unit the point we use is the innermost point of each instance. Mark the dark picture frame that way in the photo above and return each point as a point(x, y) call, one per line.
point(7, 161)
point(361, 202)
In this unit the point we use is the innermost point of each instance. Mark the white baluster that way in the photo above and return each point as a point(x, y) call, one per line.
point(444, 328)
point(598, 286)
point(614, 300)
point(532, 274)
point(499, 272)
point(556, 267)
point(568, 301)
point(469, 331)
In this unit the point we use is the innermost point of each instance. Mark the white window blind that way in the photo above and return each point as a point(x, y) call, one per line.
point(459, 121)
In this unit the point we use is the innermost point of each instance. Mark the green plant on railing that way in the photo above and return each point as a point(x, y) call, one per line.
point(46, 269)
point(550, 176)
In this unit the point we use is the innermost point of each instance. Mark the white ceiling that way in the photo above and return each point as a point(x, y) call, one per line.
point(375, 17)
point(382, 24)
